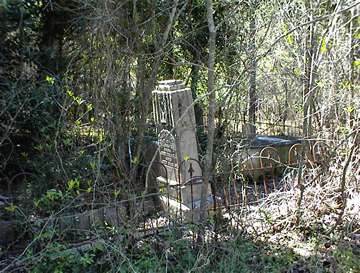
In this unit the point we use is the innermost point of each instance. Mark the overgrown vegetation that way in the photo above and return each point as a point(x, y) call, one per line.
point(77, 135)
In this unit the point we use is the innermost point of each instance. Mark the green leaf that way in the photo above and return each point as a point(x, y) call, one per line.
point(50, 80)
point(73, 184)
point(323, 48)
point(37, 203)
point(297, 72)
point(349, 109)
point(321, 84)
point(67, 141)
point(357, 35)
point(87, 259)
point(116, 193)
point(78, 100)
point(136, 160)
point(186, 157)
point(356, 63)
point(290, 39)
point(70, 93)
point(89, 106)
point(93, 165)
point(11, 208)
point(53, 195)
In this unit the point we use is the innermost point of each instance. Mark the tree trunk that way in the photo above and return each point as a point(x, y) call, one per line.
point(211, 111)
point(252, 78)
point(308, 76)
point(307, 106)
point(353, 28)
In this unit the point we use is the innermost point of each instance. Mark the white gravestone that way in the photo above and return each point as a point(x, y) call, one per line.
point(175, 119)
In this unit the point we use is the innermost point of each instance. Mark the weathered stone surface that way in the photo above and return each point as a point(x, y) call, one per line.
point(175, 119)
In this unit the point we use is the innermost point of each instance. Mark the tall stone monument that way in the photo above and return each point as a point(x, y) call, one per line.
point(175, 122)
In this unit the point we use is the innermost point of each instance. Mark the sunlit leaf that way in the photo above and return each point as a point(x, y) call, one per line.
point(11, 208)
point(290, 39)
point(78, 100)
point(73, 184)
point(323, 48)
point(116, 193)
point(321, 84)
point(50, 80)
point(357, 35)
point(349, 109)
point(356, 63)
point(70, 93)
point(297, 72)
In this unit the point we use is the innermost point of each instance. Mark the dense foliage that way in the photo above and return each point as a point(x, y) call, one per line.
point(76, 127)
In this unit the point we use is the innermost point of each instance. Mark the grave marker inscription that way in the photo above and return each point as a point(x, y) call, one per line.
point(167, 149)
